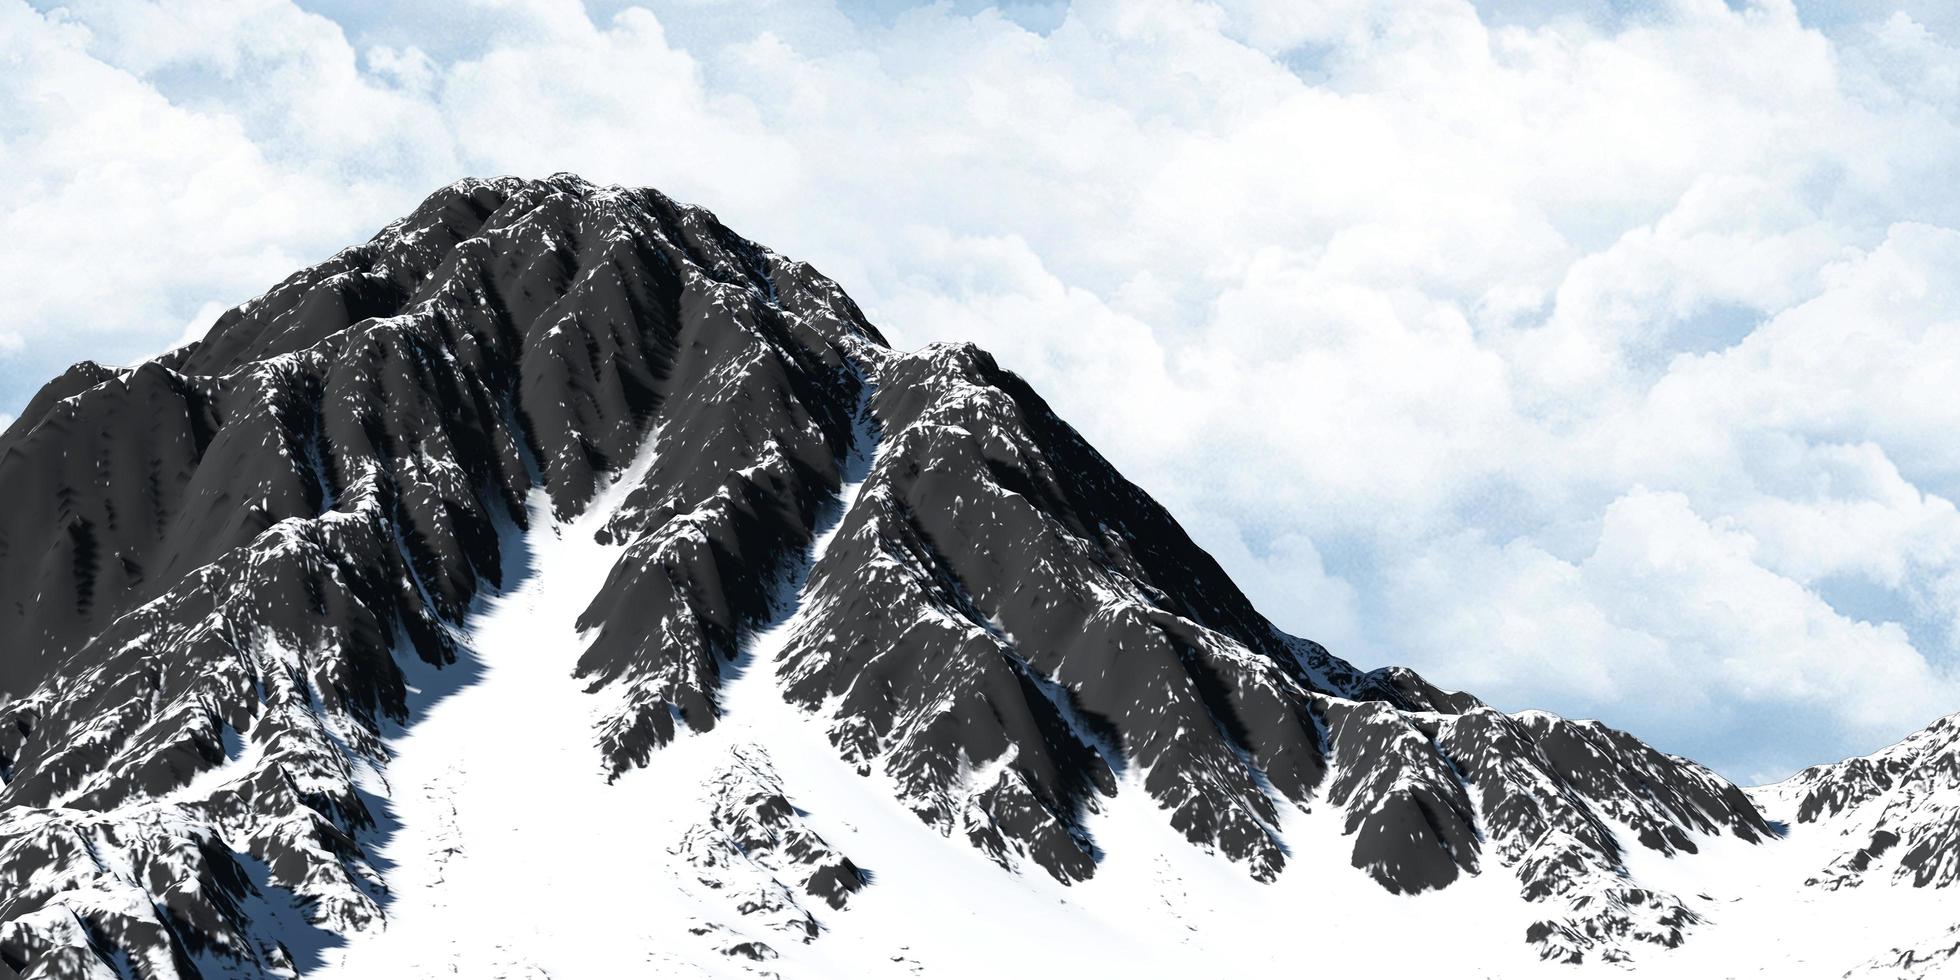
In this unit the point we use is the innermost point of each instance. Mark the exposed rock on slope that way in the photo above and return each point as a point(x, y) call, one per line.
point(221, 559)
point(755, 847)
point(1898, 810)
point(219, 555)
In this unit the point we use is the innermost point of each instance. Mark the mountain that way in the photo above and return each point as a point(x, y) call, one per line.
point(1903, 803)
point(559, 584)
point(1896, 818)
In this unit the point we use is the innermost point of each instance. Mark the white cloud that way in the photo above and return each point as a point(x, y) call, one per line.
point(125, 211)
point(1587, 361)
point(199, 324)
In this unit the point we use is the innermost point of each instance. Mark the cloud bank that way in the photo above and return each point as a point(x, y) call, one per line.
point(1588, 356)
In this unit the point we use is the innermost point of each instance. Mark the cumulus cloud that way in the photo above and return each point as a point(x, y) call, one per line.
point(124, 211)
point(1588, 359)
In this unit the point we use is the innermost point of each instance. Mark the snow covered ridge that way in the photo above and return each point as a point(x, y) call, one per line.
point(560, 567)
point(1899, 810)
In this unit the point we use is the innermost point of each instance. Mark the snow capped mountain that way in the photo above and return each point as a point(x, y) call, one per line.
point(1902, 804)
point(561, 585)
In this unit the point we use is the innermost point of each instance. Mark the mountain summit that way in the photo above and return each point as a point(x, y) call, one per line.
point(559, 584)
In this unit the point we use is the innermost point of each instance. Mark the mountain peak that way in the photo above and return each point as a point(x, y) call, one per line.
point(555, 505)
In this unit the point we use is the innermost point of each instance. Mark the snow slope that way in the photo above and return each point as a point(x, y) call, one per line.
point(509, 854)
point(1764, 921)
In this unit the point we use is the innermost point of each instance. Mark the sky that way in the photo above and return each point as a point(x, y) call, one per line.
point(1595, 356)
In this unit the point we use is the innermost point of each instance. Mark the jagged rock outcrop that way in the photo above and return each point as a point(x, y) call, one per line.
point(754, 848)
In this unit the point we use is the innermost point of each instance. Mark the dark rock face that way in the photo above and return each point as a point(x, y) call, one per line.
point(212, 565)
point(1560, 800)
point(994, 566)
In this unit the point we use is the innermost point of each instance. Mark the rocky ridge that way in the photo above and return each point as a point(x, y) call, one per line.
point(223, 559)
